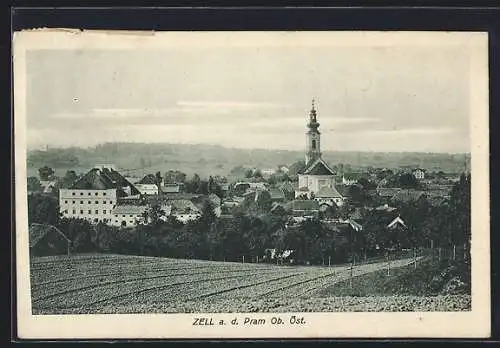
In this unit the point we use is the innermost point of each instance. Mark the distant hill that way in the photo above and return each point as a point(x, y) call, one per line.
point(140, 159)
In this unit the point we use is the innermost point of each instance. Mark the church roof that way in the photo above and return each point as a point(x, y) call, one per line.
point(328, 192)
point(319, 167)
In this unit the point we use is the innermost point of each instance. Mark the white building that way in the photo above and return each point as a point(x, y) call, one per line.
point(95, 195)
point(318, 175)
point(419, 174)
point(183, 210)
point(147, 189)
point(329, 196)
point(128, 215)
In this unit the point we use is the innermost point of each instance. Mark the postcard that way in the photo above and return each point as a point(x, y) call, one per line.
point(330, 184)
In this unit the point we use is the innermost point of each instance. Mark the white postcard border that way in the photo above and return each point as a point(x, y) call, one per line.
point(475, 323)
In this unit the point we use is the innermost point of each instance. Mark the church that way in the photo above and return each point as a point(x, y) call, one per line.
point(317, 180)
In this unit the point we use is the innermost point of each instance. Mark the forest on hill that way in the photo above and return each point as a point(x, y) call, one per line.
point(140, 158)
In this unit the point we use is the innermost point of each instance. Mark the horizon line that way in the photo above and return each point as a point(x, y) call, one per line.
point(89, 147)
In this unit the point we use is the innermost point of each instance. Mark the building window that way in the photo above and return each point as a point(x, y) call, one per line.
point(90, 211)
point(81, 202)
point(314, 144)
point(66, 212)
point(124, 223)
point(116, 220)
point(73, 193)
point(90, 193)
point(110, 202)
point(81, 211)
point(96, 193)
point(97, 211)
point(65, 201)
point(96, 202)
point(123, 215)
point(131, 221)
point(104, 211)
point(104, 202)
point(131, 215)
point(81, 193)
point(96, 220)
point(73, 202)
point(104, 193)
point(105, 220)
point(74, 211)
point(90, 202)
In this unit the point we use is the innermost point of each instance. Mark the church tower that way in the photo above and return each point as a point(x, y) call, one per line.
point(312, 137)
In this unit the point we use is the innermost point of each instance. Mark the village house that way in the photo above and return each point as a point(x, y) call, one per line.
point(45, 240)
point(277, 195)
point(184, 210)
point(303, 209)
point(148, 185)
point(128, 215)
point(48, 185)
point(349, 179)
point(419, 174)
point(94, 196)
point(170, 188)
point(329, 196)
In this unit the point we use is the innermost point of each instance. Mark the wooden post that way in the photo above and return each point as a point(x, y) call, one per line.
point(388, 265)
point(454, 252)
point(439, 254)
point(415, 257)
point(257, 258)
point(350, 279)
point(243, 258)
point(323, 261)
point(329, 260)
point(432, 244)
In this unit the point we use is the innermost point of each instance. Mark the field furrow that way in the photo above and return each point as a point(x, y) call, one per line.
point(46, 292)
point(187, 291)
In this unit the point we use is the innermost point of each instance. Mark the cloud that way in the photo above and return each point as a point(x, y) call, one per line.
point(408, 131)
point(232, 104)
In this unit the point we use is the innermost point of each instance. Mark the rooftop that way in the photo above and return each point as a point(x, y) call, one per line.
point(307, 205)
point(103, 179)
point(129, 209)
point(319, 167)
point(328, 192)
point(38, 231)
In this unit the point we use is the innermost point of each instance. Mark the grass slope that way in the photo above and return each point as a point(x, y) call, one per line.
point(430, 278)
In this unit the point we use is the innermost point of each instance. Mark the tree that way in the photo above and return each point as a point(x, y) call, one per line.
point(297, 168)
point(34, 184)
point(264, 202)
point(80, 232)
point(158, 179)
point(46, 173)
point(174, 176)
point(408, 180)
point(366, 184)
point(193, 185)
point(68, 179)
point(154, 214)
point(43, 209)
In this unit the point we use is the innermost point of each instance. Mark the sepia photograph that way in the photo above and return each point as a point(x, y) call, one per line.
point(245, 184)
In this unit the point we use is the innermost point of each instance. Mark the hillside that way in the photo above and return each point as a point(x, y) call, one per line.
point(139, 158)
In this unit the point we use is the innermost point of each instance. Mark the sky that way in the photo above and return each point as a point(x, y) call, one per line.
point(397, 98)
